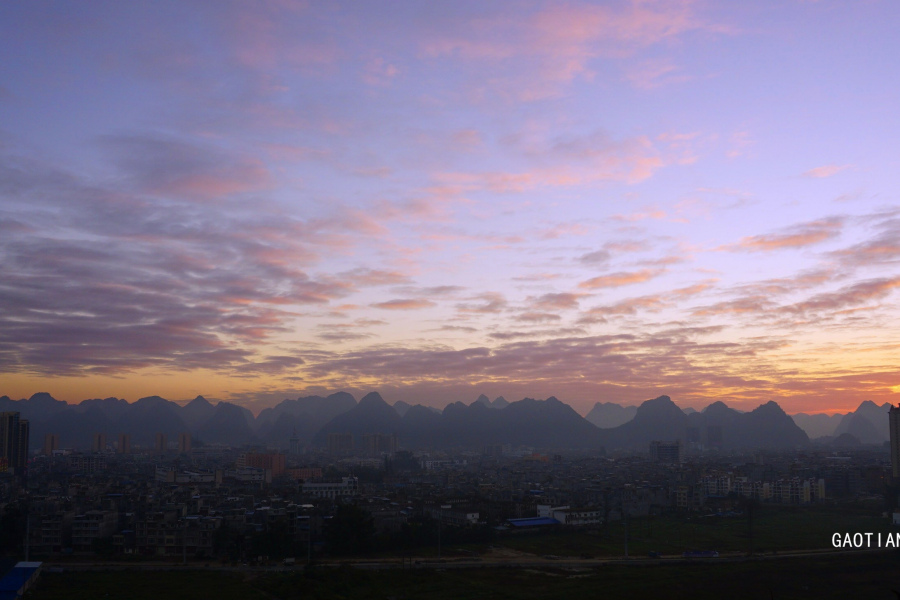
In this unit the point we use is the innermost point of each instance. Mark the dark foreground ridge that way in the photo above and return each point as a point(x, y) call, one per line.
point(870, 576)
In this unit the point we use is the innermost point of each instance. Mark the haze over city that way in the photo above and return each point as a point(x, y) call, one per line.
point(595, 202)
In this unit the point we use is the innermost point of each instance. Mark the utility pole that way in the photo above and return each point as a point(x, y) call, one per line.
point(309, 541)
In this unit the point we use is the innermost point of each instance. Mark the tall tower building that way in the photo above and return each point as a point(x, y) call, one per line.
point(894, 419)
point(24, 437)
point(124, 444)
point(51, 443)
point(14, 436)
point(162, 443)
point(184, 443)
point(294, 443)
point(98, 443)
point(9, 439)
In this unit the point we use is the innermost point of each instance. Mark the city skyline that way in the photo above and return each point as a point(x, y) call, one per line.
point(598, 202)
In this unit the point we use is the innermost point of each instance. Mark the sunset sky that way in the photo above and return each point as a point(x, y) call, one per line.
point(598, 201)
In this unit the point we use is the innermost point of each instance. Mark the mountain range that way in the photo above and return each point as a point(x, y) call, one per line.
point(546, 423)
point(868, 424)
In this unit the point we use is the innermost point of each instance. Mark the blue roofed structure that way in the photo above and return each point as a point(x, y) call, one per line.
point(17, 581)
point(533, 522)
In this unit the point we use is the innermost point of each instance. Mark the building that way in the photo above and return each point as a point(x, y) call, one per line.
point(14, 434)
point(348, 486)
point(98, 442)
point(340, 442)
point(184, 443)
point(19, 579)
point(577, 516)
point(24, 438)
point(894, 417)
point(273, 462)
point(376, 443)
point(495, 450)
point(124, 446)
point(161, 445)
point(169, 475)
point(249, 475)
point(51, 443)
point(667, 452)
point(87, 463)
point(294, 448)
point(304, 473)
point(92, 525)
point(459, 518)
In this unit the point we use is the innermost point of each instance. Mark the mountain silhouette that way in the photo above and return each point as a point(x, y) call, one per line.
point(371, 415)
point(817, 425)
point(867, 414)
point(197, 412)
point(607, 415)
point(227, 425)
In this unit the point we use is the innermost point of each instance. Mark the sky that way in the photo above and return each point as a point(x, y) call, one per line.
point(603, 202)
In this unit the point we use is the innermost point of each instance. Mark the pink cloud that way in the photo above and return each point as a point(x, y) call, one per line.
point(405, 304)
point(798, 236)
point(826, 171)
point(562, 41)
point(621, 278)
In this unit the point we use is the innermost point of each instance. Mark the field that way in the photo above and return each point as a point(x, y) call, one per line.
point(871, 576)
point(774, 529)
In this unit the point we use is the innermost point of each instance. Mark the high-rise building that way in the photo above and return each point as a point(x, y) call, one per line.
point(894, 421)
point(294, 444)
point(98, 443)
point(14, 436)
point(274, 462)
point(24, 437)
point(340, 442)
point(162, 443)
point(124, 444)
point(51, 443)
point(184, 443)
point(667, 452)
point(376, 443)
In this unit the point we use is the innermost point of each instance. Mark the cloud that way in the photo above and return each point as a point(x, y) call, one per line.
point(595, 257)
point(560, 43)
point(486, 303)
point(848, 296)
point(825, 171)
point(652, 74)
point(373, 277)
point(405, 304)
point(798, 236)
point(621, 278)
point(556, 301)
point(881, 249)
point(537, 317)
point(649, 303)
point(164, 166)
point(110, 279)
point(271, 365)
